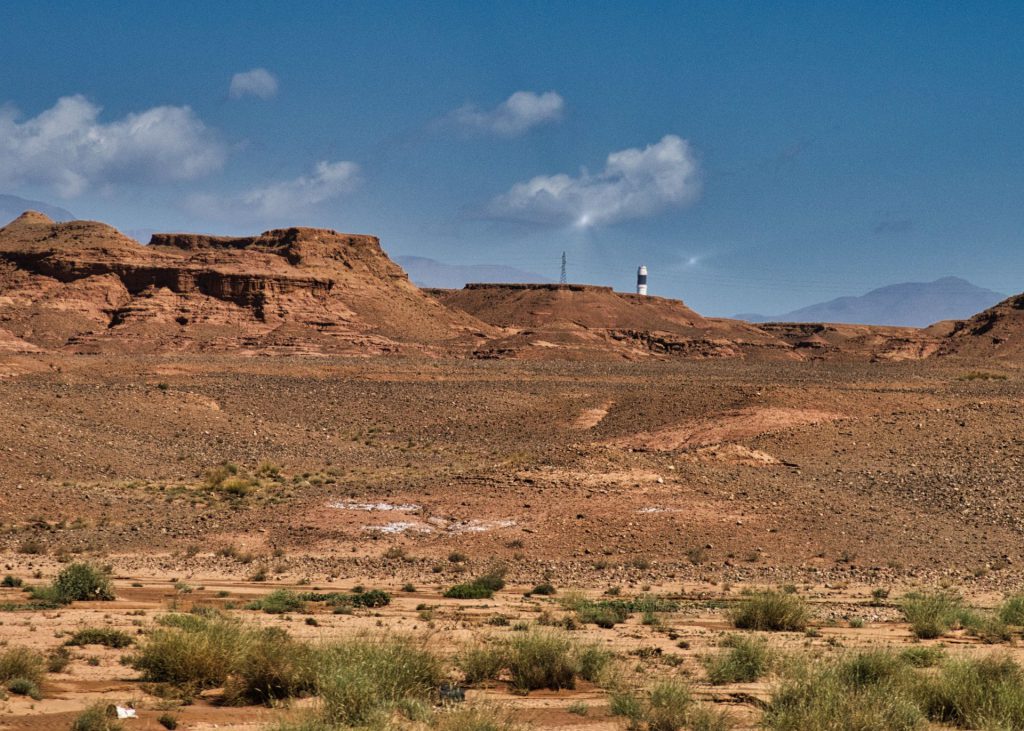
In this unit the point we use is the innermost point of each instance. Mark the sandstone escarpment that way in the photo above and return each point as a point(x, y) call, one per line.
point(84, 286)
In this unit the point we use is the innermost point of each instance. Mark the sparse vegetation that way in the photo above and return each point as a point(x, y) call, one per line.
point(95, 718)
point(933, 614)
point(482, 587)
point(667, 706)
point(279, 601)
point(361, 679)
point(771, 611)
point(21, 663)
point(534, 659)
point(743, 660)
point(105, 636)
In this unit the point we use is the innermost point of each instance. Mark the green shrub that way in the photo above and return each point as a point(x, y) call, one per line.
point(106, 636)
point(932, 615)
point(1012, 610)
point(168, 721)
point(469, 590)
point(605, 614)
point(977, 693)
point(191, 650)
point(482, 587)
point(21, 662)
point(862, 691)
point(988, 628)
point(57, 660)
point(280, 601)
point(79, 582)
point(541, 659)
point(24, 686)
point(95, 718)
point(370, 599)
point(481, 662)
point(771, 611)
point(668, 706)
point(544, 589)
point(745, 660)
point(271, 666)
point(359, 680)
point(592, 661)
point(922, 656)
point(10, 582)
point(626, 704)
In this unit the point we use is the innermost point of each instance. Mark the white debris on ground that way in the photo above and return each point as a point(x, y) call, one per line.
point(430, 525)
point(479, 526)
point(376, 507)
point(399, 527)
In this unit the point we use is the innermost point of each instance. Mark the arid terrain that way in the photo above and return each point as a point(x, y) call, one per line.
point(217, 419)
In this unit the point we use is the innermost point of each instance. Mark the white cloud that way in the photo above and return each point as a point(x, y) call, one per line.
point(519, 113)
point(68, 148)
point(255, 82)
point(329, 180)
point(634, 183)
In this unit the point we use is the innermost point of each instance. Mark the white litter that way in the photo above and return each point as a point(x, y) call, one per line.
point(399, 527)
point(124, 712)
point(376, 507)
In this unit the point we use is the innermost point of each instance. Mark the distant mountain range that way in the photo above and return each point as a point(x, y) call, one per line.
point(426, 272)
point(12, 206)
point(911, 304)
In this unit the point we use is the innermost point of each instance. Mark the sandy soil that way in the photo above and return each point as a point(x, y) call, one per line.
point(695, 479)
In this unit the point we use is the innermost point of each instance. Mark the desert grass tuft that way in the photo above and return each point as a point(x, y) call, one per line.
point(360, 680)
point(744, 660)
point(21, 662)
point(771, 611)
point(95, 718)
point(932, 614)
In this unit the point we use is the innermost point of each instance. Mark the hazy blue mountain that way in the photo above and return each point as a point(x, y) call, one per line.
point(11, 206)
point(914, 304)
point(426, 272)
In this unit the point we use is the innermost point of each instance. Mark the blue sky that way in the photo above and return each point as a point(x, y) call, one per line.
point(755, 156)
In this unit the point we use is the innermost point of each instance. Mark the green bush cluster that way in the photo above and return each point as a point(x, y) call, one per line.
point(880, 690)
point(78, 582)
point(370, 599)
point(253, 665)
point(771, 611)
point(744, 660)
point(535, 659)
point(22, 671)
point(106, 636)
point(482, 587)
point(606, 613)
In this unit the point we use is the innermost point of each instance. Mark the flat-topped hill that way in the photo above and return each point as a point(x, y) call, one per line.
point(84, 286)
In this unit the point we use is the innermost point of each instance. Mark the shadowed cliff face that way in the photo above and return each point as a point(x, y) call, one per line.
point(995, 332)
point(85, 286)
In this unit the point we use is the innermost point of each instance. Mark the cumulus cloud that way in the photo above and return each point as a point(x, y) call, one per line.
point(68, 148)
point(516, 115)
point(634, 183)
point(329, 180)
point(254, 82)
